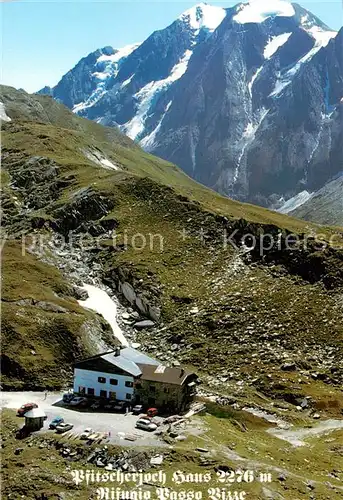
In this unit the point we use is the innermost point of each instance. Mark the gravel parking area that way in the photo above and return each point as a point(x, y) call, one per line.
point(119, 425)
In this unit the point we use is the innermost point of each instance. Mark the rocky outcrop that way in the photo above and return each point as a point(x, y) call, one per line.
point(78, 81)
point(33, 175)
point(142, 297)
point(41, 304)
point(84, 207)
point(40, 182)
point(260, 308)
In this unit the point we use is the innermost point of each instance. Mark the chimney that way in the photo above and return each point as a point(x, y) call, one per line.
point(182, 372)
point(117, 351)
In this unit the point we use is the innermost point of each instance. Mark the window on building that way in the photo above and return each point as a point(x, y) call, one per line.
point(102, 380)
point(113, 381)
point(113, 395)
point(152, 388)
point(82, 390)
point(128, 383)
point(90, 391)
point(128, 396)
point(103, 394)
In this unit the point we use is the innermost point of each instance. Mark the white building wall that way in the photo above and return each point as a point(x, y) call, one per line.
point(89, 379)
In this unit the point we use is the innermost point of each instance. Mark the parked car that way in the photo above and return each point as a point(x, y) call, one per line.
point(145, 424)
point(84, 403)
point(109, 406)
point(120, 406)
point(25, 408)
point(67, 397)
point(86, 433)
point(137, 409)
point(77, 401)
point(152, 412)
point(55, 422)
point(64, 427)
point(96, 405)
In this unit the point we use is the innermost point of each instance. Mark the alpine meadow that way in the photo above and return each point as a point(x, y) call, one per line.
point(172, 264)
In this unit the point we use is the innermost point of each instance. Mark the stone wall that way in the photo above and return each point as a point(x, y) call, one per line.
point(167, 398)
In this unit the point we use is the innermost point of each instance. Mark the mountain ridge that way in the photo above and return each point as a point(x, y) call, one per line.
point(19, 105)
point(249, 299)
point(70, 185)
point(324, 205)
point(261, 324)
point(174, 92)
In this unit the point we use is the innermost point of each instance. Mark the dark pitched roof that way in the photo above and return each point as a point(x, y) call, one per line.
point(137, 364)
point(164, 374)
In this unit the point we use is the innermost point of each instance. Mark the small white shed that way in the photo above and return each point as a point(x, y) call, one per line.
point(34, 419)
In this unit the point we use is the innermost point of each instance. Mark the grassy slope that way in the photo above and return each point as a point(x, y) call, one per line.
point(251, 318)
point(230, 300)
point(63, 136)
point(223, 434)
point(43, 328)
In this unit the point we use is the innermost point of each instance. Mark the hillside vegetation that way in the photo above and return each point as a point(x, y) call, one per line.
point(236, 316)
point(49, 129)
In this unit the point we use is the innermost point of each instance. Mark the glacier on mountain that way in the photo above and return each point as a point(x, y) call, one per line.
point(248, 136)
point(3, 115)
point(203, 16)
point(198, 96)
point(322, 38)
point(257, 11)
point(145, 96)
point(254, 77)
point(274, 44)
point(119, 54)
point(149, 141)
point(295, 202)
point(108, 66)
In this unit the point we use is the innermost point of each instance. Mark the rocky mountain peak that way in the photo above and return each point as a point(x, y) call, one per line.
point(258, 11)
point(218, 90)
point(203, 16)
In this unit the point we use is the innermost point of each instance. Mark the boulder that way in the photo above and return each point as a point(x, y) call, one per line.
point(128, 292)
point(289, 367)
point(147, 323)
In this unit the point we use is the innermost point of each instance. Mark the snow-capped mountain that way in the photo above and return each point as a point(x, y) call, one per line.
point(247, 100)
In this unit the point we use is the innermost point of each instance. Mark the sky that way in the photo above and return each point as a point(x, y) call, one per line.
point(42, 40)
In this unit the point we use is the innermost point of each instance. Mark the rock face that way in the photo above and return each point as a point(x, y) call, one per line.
point(325, 205)
point(81, 80)
point(245, 101)
point(197, 302)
